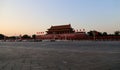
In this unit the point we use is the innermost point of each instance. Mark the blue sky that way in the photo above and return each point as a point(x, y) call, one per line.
point(31, 16)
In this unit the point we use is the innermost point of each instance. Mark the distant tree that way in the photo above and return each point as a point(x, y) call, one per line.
point(34, 36)
point(104, 34)
point(12, 37)
point(26, 37)
point(94, 33)
point(117, 32)
point(90, 33)
point(2, 36)
point(99, 34)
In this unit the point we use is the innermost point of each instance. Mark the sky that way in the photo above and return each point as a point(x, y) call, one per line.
point(31, 16)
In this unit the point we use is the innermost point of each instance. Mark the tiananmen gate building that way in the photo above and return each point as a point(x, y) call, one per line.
point(62, 32)
point(62, 29)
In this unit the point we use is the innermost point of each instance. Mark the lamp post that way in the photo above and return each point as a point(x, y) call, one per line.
point(54, 36)
point(93, 35)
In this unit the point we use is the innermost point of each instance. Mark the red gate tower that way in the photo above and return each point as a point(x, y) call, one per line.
point(61, 29)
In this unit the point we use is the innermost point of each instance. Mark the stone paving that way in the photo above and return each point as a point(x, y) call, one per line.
point(43, 58)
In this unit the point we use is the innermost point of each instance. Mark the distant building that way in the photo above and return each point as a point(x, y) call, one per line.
point(62, 29)
point(63, 32)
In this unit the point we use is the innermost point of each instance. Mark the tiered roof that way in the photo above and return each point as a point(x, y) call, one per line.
point(61, 27)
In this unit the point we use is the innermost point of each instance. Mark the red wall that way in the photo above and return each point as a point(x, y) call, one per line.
point(76, 36)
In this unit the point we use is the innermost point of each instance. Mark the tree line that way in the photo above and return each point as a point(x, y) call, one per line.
point(2, 37)
point(96, 33)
